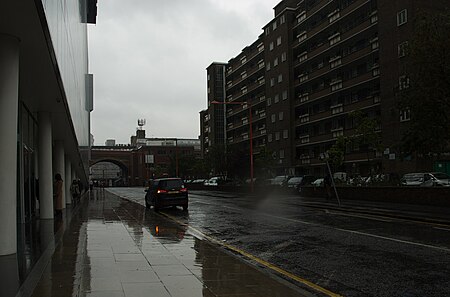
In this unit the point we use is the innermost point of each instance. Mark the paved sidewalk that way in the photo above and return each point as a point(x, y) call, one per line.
point(114, 247)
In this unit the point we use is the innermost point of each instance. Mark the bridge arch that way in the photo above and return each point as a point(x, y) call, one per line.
point(109, 171)
point(111, 167)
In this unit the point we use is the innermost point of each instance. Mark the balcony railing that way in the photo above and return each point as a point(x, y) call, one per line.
point(322, 48)
point(326, 23)
point(255, 54)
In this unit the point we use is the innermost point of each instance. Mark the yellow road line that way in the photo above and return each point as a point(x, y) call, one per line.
point(258, 260)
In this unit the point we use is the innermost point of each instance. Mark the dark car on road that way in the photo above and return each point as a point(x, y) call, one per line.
point(165, 192)
point(295, 183)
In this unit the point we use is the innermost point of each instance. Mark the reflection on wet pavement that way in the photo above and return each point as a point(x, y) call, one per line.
point(118, 248)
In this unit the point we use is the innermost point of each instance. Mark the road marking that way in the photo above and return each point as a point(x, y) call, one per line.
point(397, 240)
point(392, 216)
point(269, 265)
point(369, 217)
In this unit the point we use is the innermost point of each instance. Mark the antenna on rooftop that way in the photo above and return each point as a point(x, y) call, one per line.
point(141, 123)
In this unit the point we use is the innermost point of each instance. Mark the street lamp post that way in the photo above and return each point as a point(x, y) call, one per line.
point(325, 156)
point(250, 134)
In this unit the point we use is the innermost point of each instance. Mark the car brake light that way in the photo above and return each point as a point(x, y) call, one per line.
point(161, 191)
point(183, 190)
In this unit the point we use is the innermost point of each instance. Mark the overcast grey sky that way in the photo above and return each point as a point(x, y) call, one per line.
point(149, 60)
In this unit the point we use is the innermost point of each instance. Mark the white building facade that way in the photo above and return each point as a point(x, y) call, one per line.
point(46, 98)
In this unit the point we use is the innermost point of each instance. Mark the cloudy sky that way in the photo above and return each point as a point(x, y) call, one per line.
point(149, 58)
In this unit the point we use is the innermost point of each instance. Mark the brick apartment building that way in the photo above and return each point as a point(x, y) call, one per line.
point(315, 62)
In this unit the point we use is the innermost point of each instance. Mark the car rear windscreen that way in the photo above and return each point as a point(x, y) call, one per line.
point(170, 184)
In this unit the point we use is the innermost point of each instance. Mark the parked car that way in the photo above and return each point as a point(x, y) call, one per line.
point(280, 180)
point(318, 182)
point(166, 192)
point(426, 179)
point(213, 181)
point(340, 176)
point(198, 181)
point(296, 182)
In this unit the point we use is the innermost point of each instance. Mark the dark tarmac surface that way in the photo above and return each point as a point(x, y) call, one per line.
point(346, 252)
point(114, 247)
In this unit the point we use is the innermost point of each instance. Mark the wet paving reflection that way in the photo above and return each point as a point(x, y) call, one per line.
point(118, 248)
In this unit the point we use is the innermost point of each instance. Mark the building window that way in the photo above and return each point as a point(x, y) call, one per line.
point(243, 59)
point(376, 98)
point(273, 118)
point(302, 36)
point(283, 56)
point(274, 25)
point(275, 62)
point(337, 133)
point(272, 82)
point(280, 78)
point(285, 95)
point(402, 49)
point(283, 19)
point(374, 17)
point(279, 40)
point(403, 82)
point(333, 39)
point(285, 134)
point(303, 77)
point(376, 71)
point(335, 61)
point(261, 64)
point(304, 97)
point(209, 77)
point(336, 85)
point(374, 43)
point(244, 74)
point(268, 66)
point(269, 137)
point(277, 135)
point(301, 16)
point(303, 56)
point(281, 154)
point(244, 90)
point(269, 101)
point(402, 17)
point(267, 31)
point(260, 47)
point(304, 118)
point(405, 115)
point(334, 15)
point(337, 109)
point(276, 98)
point(280, 115)
point(271, 46)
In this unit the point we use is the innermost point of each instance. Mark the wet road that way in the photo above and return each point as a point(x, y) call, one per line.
point(349, 254)
point(114, 247)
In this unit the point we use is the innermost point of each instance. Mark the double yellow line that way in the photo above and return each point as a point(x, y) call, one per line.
point(258, 260)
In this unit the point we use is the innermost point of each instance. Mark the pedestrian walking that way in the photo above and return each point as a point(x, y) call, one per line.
point(75, 192)
point(57, 195)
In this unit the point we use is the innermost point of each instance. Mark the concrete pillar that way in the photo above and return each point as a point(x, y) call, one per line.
point(9, 108)
point(60, 165)
point(68, 180)
point(45, 165)
point(36, 172)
